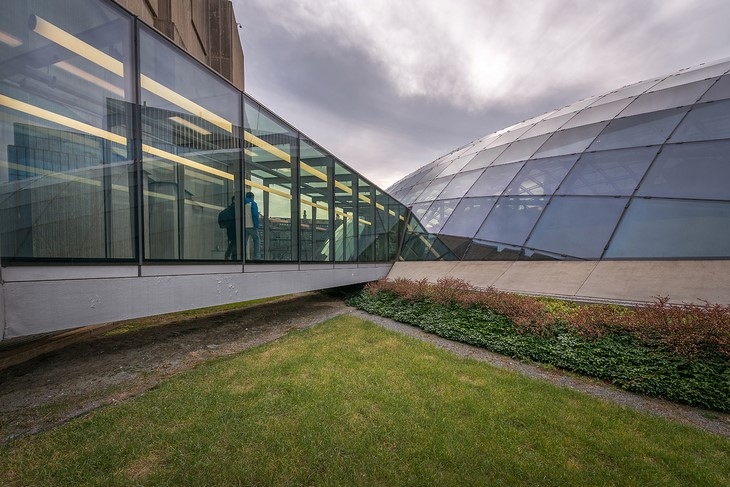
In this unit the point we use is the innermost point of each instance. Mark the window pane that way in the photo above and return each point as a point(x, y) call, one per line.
point(66, 176)
point(511, 219)
point(606, 111)
point(468, 216)
point(548, 126)
point(638, 131)
point(628, 91)
point(695, 170)
point(495, 179)
point(437, 214)
point(688, 76)
point(344, 208)
point(366, 221)
point(705, 122)
point(540, 176)
point(481, 250)
point(719, 91)
point(270, 174)
point(461, 184)
point(317, 215)
point(191, 155)
point(455, 166)
point(610, 173)
point(484, 158)
point(656, 228)
point(570, 141)
point(520, 150)
point(577, 226)
point(671, 98)
point(434, 189)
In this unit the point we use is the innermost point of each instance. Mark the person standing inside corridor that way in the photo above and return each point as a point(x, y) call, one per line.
point(251, 222)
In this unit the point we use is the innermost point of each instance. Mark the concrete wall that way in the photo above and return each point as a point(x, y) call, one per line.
point(206, 29)
point(46, 299)
point(616, 281)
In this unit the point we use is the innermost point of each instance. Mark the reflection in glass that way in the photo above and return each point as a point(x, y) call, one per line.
point(67, 185)
point(520, 150)
point(570, 141)
point(494, 180)
point(345, 209)
point(697, 170)
point(191, 155)
point(599, 113)
point(609, 173)
point(659, 228)
point(640, 130)
point(484, 158)
point(577, 226)
point(366, 221)
point(468, 216)
point(705, 122)
point(316, 169)
point(434, 189)
point(460, 184)
point(270, 148)
point(670, 98)
point(511, 219)
point(438, 213)
point(540, 176)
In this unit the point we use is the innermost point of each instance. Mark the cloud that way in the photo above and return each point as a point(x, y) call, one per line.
point(389, 86)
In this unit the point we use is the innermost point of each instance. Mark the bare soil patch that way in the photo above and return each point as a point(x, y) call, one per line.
point(105, 369)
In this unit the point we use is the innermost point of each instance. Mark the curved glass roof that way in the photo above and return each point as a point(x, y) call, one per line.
point(642, 172)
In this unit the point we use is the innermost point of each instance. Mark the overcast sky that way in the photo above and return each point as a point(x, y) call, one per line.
point(390, 85)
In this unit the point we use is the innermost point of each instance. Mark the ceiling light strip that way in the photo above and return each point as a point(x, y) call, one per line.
point(60, 119)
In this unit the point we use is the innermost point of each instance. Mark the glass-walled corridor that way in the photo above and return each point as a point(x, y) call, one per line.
point(117, 146)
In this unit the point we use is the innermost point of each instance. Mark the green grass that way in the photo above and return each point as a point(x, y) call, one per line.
point(349, 403)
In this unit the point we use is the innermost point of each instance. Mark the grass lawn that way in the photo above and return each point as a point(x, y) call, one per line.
point(349, 403)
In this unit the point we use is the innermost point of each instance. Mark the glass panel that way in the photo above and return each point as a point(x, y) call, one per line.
point(434, 189)
point(670, 98)
point(495, 179)
point(719, 91)
point(548, 126)
point(606, 111)
point(640, 130)
point(705, 122)
point(540, 176)
point(577, 226)
point(366, 221)
point(696, 170)
point(480, 250)
point(270, 176)
point(570, 141)
point(67, 187)
point(455, 166)
point(414, 193)
point(656, 228)
point(461, 184)
point(511, 219)
point(437, 215)
point(316, 221)
point(381, 226)
point(344, 208)
point(468, 216)
point(482, 143)
point(573, 107)
point(520, 150)
point(694, 74)
point(609, 173)
point(628, 91)
point(484, 158)
point(509, 136)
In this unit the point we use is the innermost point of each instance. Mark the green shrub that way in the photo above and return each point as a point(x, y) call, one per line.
point(675, 352)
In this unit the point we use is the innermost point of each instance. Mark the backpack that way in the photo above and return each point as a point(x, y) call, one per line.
point(226, 216)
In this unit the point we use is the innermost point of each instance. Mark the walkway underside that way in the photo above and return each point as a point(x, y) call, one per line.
point(612, 281)
point(35, 300)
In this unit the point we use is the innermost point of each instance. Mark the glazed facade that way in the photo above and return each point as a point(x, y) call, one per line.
point(638, 173)
point(118, 147)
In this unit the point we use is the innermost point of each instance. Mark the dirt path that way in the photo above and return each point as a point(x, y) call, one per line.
point(65, 384)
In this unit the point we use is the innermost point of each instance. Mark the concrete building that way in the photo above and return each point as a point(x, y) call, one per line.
point(622, 196)
point(119, 149)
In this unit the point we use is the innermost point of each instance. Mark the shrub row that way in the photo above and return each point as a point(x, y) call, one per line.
point(629, 347)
